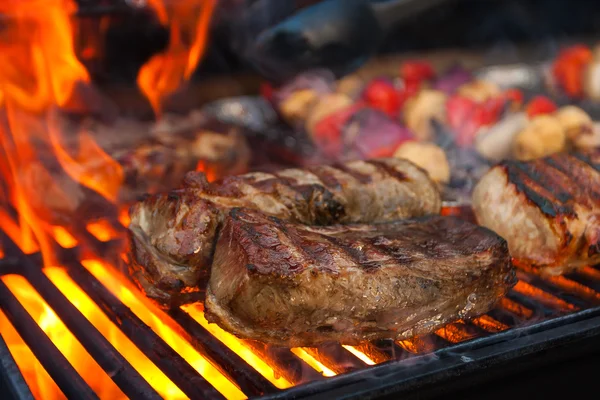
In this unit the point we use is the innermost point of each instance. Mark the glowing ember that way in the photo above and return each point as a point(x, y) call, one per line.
point(155, 319)
point(38, 380)
point(360, 355)
point(238, 347)
point(208, 171)
point(68, 345)
point(313, 362)
point(188, 22)
point(63, 237)
point(102, 230)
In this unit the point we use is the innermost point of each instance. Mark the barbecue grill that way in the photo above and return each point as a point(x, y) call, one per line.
point(535, 323)
point(141, 350)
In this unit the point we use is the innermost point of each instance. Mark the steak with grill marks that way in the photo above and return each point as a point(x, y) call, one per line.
point(547, 209)
point(292, 285)
point(174, 235)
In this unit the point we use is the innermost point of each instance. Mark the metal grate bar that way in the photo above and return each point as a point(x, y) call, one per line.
point(155, 348)
point(115, 365)
point(285, 362)
point(232, 365)
point(335, 357)
point(57, 366)
point(10, 373)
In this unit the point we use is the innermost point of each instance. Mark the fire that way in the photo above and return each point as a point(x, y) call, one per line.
point(238, 347)
point(188, 22)
point(68, 345)
point(313, 362)
point(155, 319)
point(359, 354)
point(40, 75)
point(206, 168)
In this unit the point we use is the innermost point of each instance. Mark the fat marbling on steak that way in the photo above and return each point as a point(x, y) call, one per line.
point(174, 235)
point(289, 284)
point(547, 209)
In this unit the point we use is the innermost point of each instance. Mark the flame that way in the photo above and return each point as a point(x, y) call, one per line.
point(63, 237)
point(102, 230)
point(68, 345)
point(35, 375)
point(209, 172)
point(155, 319)
point(360, 355)
point(238, 347)
point(188, 22)
point(313, 362)
point(39, 76)
point(454, 333)
point(543, 297)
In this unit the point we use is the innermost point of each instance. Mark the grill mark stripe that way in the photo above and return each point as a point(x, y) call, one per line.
point(318, 200)
point(546, 181)
point(388, 170)
point(547, 205)
point(356, 256)
point(578, 172)
point(403, 258)
point(294, 263)
point(362, 178)
point(301, 245)
point(367, 246)
point(580, 195)
point(585, 159)
point(327, 178)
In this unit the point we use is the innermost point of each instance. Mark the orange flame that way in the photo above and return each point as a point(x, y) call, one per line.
point(68, 345)
point(39, 75)
point(208, 170)
point(154, 318)
point(188, 22)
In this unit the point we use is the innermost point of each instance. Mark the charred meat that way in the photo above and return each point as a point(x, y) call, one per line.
point(288, 284)
point(547, 209)
point(174, 235)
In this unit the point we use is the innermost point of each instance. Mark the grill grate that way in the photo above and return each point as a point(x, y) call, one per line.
point(535, 305)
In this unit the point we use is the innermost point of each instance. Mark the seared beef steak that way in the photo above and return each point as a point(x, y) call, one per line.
point(174, 234)
point(548, 209)
point(292, 285)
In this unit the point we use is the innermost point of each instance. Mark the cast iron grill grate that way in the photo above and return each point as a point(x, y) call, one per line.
point(535, 305)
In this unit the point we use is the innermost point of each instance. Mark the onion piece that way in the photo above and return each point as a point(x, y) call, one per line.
point(495, 143)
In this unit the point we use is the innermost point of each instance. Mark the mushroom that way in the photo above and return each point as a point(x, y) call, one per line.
point(543, 136)
point(297, 105)
point(421, 110)
point(575, 122)
point(479, 90)
point(588, 140)
point(591, 77)
point(427, 156)
point(495, 143)
point(326, 105)
point(350, 85)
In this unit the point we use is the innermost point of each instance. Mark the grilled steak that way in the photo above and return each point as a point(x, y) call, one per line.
point(547, 209)
point(292, 285)
point(174, 234)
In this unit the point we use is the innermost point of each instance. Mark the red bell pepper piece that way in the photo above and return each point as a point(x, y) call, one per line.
point(416, 71)
point(540, 105)
point(515, 96)
point(569, 66)
point(383, 96)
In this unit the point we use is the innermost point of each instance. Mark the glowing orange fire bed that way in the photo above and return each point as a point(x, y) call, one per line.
point(73, 326)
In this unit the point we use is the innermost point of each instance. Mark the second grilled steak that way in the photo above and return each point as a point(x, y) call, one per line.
point(548, 209)
point(292, 285)
point(174, 234)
